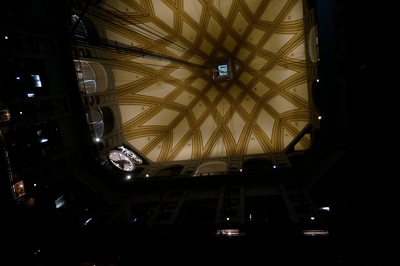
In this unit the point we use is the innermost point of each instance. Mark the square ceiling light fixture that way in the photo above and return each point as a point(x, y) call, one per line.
point(222, 70)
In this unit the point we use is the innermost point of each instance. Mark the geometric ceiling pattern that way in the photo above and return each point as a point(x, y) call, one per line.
point(171, 107)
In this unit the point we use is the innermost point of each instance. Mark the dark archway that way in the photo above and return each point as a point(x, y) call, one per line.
point(257, 164)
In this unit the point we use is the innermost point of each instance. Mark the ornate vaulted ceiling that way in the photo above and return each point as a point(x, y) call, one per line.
point(172, 108)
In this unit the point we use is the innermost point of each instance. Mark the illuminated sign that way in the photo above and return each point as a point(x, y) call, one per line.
point(130, 154)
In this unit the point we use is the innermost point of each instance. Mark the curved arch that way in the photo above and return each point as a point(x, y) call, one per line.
point(212, 168)
point(313, 45)
point(170, 171)
point(94, 118)
point(92, 77)
point(85, 29)
point(108, 119)
point(101, 119)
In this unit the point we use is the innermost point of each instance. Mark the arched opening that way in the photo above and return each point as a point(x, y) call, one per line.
point(101, 119)
point(108, 119)
point(313, 45)
point(94, 119)
point(170, 171)
point(257, 164)
point(84, 29)
point(91, 76)
point(212, 168)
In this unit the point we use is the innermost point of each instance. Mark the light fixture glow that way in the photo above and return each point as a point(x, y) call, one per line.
point(315, 232)
point(324, 209)
point(88, 220)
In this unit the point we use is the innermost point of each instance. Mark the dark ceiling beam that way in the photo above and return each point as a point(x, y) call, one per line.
point(118, 47)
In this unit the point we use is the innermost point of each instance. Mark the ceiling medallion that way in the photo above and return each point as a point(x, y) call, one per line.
point(222, 70)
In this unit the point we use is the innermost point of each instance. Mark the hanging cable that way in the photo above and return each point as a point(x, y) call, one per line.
point(128, 49)
point(145, 30)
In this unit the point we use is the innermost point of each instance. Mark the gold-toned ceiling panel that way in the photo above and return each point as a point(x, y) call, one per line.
point(176, 111)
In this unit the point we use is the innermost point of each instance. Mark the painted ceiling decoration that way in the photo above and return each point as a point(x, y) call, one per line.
point(172, 111)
